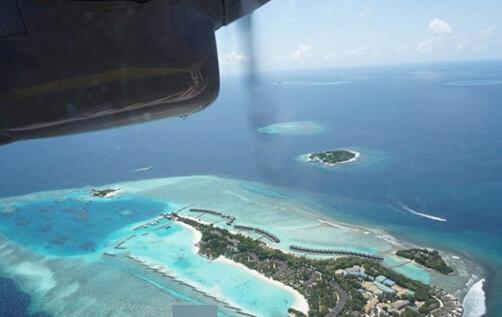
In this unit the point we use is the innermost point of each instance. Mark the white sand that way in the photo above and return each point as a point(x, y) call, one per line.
point(331, 224)
point(115, 193)
point(357, 154)
point(196, 235)
point(210, 292)
point(300, 303)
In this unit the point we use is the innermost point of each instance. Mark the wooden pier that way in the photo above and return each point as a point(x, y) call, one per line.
point(230, 219)
point(335, 252)
point(264, 233)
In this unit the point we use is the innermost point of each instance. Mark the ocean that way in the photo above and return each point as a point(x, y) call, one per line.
point(429, 135)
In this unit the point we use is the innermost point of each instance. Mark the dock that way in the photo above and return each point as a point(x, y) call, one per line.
point(119, 245)
point(264, 233)
point(229, 219)
point(335, 252)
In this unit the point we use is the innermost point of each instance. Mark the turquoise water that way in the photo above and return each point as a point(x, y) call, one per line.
point(292, 128)
point(165, 247)
point(173, 249)
point(72, 224)
point(409, 269)
point(425, 145)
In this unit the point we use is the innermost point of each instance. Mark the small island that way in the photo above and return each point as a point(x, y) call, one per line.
point(341, 286)
point(330, 158)
point(428, 258)
point(103, 193)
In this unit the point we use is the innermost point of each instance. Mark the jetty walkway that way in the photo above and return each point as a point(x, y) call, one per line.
point(230, 219)
point(266, 234)
point(335, 252)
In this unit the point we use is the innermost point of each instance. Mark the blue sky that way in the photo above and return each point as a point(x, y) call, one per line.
point(297, 34)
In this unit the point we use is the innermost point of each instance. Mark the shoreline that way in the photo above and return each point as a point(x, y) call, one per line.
point(307, 158)
point(475, 300)
point(395, 241)
point(308, 210)
point(196, 236)
point(300, 303)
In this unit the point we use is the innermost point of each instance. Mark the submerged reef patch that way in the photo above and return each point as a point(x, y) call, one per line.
point(292, 128)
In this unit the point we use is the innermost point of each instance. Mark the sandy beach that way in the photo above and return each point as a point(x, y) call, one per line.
point(300, 302)
point(196, 234)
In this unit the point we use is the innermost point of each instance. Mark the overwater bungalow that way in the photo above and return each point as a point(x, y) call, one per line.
point(335, 252)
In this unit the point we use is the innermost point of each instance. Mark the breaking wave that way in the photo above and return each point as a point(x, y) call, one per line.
point(474, 302)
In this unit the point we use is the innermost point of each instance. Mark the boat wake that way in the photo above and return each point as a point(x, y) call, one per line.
point(142, 169)
point(420, 214)
point(474, 302)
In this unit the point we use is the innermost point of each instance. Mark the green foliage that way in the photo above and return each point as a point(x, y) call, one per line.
point(427, 258)
point(333, 157)
point(296, 313)
point(314, 279)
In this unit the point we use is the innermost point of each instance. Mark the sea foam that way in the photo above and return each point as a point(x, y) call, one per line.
point(474, 302)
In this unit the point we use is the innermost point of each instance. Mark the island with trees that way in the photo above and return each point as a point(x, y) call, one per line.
point(341, 286)
point(428, 258)
point(103, 193)
point(330, 158)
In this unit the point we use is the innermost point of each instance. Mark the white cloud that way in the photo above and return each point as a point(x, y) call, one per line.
point(401, 48)
point(327, 57)
point(276, 59)
point(487, 33)
point(365, 11)
point(483, 40)
point(302, 51)
point(427, 45)
point(235, 57)
point(359, 51)
point(439, 27)
point(440, 30)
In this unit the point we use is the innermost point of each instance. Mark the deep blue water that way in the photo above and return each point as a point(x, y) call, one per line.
point(426, 144)
point(14, 303)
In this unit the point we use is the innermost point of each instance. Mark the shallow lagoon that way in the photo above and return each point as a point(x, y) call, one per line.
point(292, 128)
point(72, 224)
point(289, 215)
point(462, 83)
point(171, 249)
